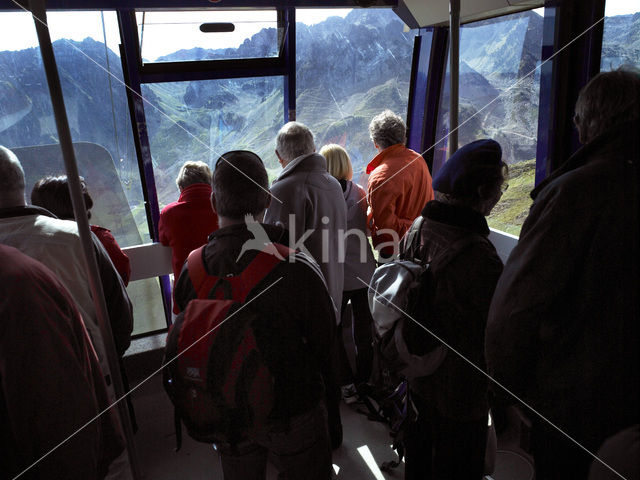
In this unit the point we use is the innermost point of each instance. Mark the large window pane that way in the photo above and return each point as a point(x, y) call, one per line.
point(201, 120)
point(621, 39)
point(254, 35)
point(349, 68)
point(91, 76)
point(499, 94)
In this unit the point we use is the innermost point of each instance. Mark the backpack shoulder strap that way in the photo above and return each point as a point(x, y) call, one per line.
point(202, 282)
point(263, 263)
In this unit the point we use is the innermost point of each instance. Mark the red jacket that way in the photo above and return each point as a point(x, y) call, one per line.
point(185, 225)
point(117, 256)
point(399, 187)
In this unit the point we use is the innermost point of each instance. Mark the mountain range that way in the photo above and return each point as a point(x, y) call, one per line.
point(348, 70)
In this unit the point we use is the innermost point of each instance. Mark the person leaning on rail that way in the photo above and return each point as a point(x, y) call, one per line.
point(185, 224)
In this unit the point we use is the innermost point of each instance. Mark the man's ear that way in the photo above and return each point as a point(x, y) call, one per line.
point(278, 155)
point(213, 203)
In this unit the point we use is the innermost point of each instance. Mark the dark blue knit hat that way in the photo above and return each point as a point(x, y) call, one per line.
point(475, 164)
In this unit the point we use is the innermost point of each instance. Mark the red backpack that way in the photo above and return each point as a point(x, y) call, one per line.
point(215, 373)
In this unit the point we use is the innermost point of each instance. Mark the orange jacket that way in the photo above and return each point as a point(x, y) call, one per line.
point(399, 187)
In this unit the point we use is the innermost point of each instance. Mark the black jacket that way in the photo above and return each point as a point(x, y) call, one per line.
point(296, 311)
point(463, 292)
point(564, 326)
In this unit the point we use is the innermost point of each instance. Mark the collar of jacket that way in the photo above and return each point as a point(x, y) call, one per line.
point(305, 163)
point(389, 152)
point(457, 216)
point(195, 192)
point(617, 137)
point(23, 211)
point(276, 233)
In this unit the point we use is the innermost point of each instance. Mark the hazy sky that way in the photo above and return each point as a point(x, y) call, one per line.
point(167, 33)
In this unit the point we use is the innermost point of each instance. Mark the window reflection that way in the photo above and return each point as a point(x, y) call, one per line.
point(499, 95)
point(96, 105)
point(202, 120)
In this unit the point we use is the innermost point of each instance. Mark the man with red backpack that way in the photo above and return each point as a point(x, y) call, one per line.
point(291, 329)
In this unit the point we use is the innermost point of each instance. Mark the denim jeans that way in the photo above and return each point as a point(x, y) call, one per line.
point(300, 450)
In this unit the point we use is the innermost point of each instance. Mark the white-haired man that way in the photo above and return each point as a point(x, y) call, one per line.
point(308, 202)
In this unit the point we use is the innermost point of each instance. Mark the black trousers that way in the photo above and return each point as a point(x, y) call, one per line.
point(442, 448)
point(361, 333)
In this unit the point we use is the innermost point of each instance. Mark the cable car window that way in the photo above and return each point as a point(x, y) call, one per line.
point(87, 55)
point(201, 120)
point(207, 35)
point(350, 66)
point(621, 39)
point(499, 96)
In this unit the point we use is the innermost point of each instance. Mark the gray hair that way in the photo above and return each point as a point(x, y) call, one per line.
point(193, 172)
point(387, 129)
point(11, 172)
point(609, 100)
point(293, 140)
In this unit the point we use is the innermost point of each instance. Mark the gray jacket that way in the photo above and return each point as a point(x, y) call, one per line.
point(359, 262)
point(305, 195)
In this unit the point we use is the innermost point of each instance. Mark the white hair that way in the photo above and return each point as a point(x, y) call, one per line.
point(293, 140)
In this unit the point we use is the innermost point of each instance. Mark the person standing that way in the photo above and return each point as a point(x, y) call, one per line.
point(449, 438)
point(51, 384)
point(399, 184)
point(309, 203)
point(563, 332)
point(294, 327)
point(359, 265)
point(185, 224)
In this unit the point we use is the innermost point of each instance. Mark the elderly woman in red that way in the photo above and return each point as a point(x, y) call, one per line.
point(185, 224)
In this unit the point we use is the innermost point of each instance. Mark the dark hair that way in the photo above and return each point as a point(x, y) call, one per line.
point(240, 184)
point(52, 193)
point(609, 100)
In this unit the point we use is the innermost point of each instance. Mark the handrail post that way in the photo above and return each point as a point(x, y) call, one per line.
point(454, 76)
point(38, 10)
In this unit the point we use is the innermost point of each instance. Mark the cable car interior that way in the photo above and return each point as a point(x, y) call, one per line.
point(145, 85)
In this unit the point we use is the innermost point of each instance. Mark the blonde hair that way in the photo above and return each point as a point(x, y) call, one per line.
point(193, 172)
point(338, 161)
